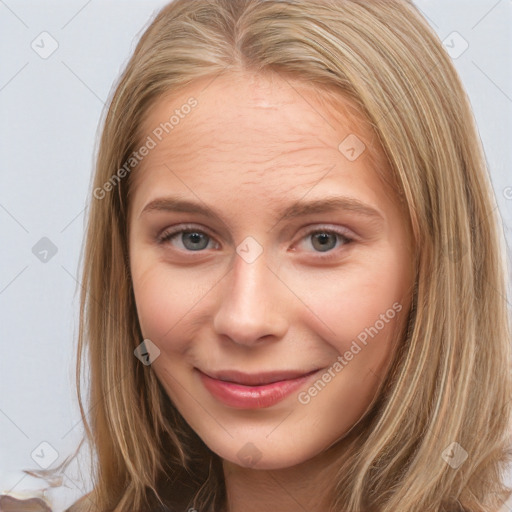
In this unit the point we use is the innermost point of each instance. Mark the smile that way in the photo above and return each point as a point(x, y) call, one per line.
point(257, 391)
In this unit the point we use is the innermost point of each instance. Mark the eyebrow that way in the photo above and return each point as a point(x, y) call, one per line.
point(298, 209)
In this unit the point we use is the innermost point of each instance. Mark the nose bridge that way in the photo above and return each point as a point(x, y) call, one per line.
point(250, 307)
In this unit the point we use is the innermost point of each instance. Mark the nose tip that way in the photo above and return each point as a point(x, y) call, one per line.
point(251, 309)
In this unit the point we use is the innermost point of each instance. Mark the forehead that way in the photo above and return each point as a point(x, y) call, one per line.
point(256, 130)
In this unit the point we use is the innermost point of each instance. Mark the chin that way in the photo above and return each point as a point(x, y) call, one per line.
point(267, 455)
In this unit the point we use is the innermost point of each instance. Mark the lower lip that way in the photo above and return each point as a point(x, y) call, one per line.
point(252, 397)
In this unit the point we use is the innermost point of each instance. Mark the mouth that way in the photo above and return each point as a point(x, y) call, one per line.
point(253, 391)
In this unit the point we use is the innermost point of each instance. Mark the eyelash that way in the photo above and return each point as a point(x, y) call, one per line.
point(167, 235)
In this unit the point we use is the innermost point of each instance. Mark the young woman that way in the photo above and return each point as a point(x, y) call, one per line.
point(294, 293)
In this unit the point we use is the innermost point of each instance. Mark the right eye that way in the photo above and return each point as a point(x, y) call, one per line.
point(188, 239)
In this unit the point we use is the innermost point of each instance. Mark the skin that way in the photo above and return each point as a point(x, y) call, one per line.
point(251, 147)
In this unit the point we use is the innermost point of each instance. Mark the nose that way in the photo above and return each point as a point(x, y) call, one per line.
point(252, 304)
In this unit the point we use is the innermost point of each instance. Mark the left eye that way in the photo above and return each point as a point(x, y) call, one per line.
point(326, 240)
point(322, 240)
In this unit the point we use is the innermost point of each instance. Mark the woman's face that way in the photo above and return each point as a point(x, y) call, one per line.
point(266, 251)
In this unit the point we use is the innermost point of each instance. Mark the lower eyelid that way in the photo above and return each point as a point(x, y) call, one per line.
point(169, 235)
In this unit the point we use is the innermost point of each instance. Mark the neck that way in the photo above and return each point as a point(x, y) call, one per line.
point(306, 486)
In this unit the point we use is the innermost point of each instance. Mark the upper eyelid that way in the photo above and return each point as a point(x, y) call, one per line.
point(307, 230)
point(175, 230)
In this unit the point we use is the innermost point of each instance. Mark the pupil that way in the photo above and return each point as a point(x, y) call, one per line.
point(323, 241)
point(193, 240)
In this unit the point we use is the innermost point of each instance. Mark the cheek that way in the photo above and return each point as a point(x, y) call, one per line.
point(164, 299)
point(364, 304)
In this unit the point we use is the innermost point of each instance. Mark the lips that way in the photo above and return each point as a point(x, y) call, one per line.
point(244, 391)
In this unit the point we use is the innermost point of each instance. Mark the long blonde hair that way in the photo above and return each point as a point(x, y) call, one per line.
point(450, 381)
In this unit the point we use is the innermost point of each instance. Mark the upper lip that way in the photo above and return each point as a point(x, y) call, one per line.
point(256, 379)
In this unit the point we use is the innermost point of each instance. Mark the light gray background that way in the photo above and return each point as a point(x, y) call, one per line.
point(50, 109)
